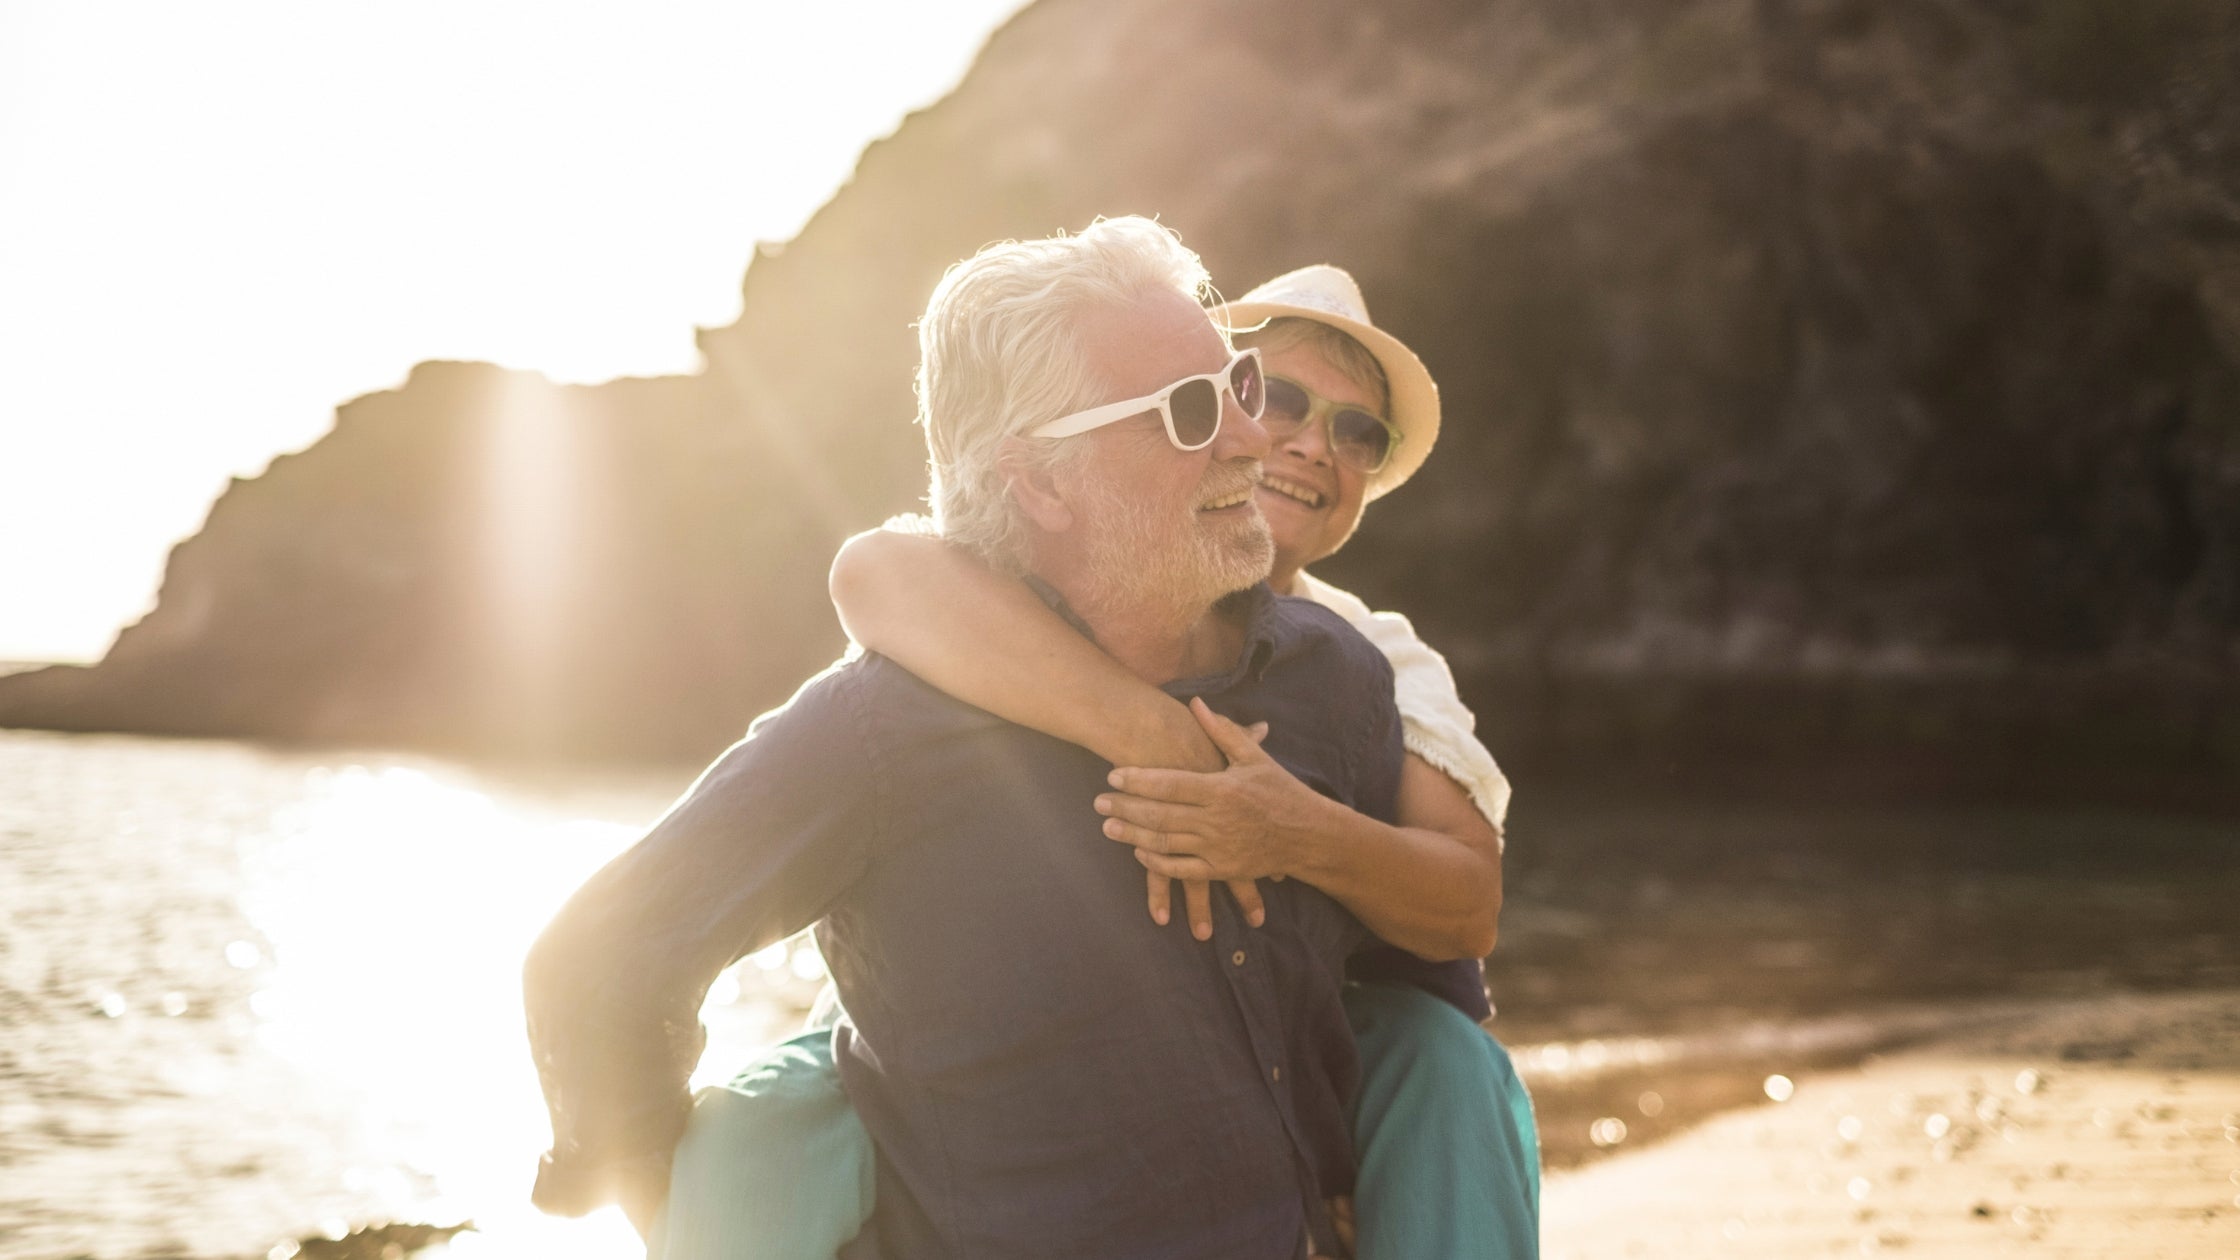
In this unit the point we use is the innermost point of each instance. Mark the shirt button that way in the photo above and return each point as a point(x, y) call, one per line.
point(1275, 1074)
point(1237, 958)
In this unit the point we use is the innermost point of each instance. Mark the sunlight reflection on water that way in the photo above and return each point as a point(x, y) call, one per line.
point(256, 995)
point(398, 907)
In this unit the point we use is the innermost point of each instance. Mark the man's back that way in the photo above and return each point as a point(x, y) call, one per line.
point(1043, 1069)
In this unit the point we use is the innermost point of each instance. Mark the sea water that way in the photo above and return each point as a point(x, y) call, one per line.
point(251, 996)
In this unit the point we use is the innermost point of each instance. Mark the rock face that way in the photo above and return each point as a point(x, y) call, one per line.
point(480, 561)
point(1820, 375)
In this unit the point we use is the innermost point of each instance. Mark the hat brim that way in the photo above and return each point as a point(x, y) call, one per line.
point(1413, 396)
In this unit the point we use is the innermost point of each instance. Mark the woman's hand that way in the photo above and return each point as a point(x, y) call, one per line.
point(1341, 1219)
point(1234, 825)
point(1197, 902)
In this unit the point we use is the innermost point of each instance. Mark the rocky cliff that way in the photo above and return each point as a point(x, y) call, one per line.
point(1822, 376)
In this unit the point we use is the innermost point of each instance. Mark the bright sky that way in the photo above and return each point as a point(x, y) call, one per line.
point(219, 220)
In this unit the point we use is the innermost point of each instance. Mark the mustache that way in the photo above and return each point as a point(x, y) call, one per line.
point(1230, 478)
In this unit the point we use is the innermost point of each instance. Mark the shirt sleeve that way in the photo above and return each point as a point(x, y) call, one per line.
point(759, 848)
point(1435, 724)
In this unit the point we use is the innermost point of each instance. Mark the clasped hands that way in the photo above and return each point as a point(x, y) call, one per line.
point(1237, 825)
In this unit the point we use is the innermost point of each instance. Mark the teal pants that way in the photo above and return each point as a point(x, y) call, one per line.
point(776, 1166)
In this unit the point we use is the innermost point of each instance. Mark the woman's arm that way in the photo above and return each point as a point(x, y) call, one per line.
point(1430, 885)
point(990, 641)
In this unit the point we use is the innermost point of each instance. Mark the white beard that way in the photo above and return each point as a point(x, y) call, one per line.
point(1141, 555)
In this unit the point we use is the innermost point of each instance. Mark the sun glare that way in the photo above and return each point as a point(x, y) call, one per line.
point(224, 219)
point(397, 907)
point(537, 508)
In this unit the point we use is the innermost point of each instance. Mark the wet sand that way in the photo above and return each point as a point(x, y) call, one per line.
point(2104, 1126)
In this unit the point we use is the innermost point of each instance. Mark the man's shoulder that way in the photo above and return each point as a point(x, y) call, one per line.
point(1307, 614)
point(867, 692)
point(1328, 693)
point(857, 712)
point(1313, 636)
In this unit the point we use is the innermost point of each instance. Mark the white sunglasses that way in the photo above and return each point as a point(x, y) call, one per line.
point(1190, 408)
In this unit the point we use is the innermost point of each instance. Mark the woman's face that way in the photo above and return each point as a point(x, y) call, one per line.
point(1312, 502)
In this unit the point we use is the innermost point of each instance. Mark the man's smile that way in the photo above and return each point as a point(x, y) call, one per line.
point(1234, 499)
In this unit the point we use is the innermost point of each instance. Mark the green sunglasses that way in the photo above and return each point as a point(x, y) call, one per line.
point(1360, 440)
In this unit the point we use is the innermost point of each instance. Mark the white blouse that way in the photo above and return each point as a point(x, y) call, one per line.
point(1436, 726)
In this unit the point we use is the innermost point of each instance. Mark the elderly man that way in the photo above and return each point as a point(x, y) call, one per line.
point(1042, 1075)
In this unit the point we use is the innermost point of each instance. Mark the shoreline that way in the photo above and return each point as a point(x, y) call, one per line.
point(1825, 776)
point(2100, 1126)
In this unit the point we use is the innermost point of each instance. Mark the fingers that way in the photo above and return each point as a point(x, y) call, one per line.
point(1199, 900)
point(1159, 874)
point(1181, 787)
point(1144, 837)
point(1160, 890)
point(1232, 739)
point(1148, 814)
point(1258, 731)
point(1247, 895)
point(1183, 867)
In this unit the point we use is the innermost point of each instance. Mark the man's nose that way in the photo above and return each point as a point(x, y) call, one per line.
point(1242, 436)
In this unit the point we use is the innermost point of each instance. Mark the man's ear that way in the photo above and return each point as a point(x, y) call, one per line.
point(1033, 488)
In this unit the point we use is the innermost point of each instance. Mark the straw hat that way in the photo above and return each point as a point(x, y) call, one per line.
point(1328, 295)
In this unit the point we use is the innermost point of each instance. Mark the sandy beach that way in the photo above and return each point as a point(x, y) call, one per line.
point(2100, 1127)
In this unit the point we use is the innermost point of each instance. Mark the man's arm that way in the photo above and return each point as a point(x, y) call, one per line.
point(755, 851)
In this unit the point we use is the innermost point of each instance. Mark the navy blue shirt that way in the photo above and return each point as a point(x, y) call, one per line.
point(1044, 1071)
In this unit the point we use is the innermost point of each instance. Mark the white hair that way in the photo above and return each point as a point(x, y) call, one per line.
point(999, 352)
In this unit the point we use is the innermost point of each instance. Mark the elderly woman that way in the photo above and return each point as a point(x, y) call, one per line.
point(1448, 1166)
